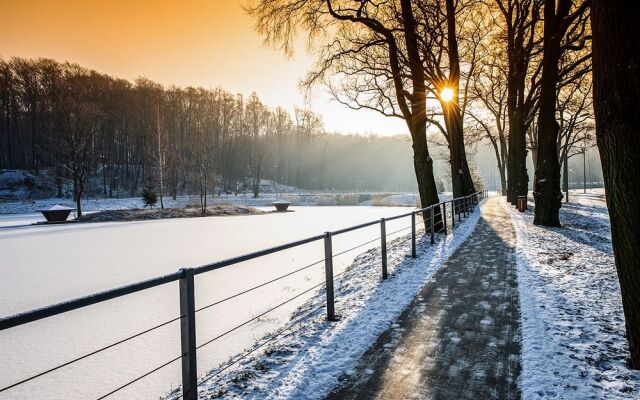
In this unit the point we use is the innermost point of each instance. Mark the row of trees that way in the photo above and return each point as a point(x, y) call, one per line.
point(110, 137)
point(444, 65)
point(515, 72)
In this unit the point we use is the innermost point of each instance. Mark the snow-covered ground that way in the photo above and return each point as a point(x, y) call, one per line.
point(41, 265)
point(306, 357)
point(573, 337)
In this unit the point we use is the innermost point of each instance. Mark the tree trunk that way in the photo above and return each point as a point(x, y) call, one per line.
point(518, 178)
point(78, 188)
point(423, 166)
point(616, 73)
point(503, 180)
point(461, 182)
point(546, 192)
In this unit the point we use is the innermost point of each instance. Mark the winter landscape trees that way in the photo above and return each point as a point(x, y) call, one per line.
point(512, 74)
point(125, 135)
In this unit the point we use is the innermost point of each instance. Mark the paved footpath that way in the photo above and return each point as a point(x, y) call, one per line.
point(459, 339)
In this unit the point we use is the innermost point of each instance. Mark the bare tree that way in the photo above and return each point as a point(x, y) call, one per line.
point(451, 32)
point(76, 118)
point(257, 119)
point(160, 155)
point(489, 113)
point(373, 62)
point(519, 20)
point(576, 123)
point(565, 29)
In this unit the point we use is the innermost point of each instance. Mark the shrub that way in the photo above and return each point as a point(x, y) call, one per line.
point(149, 196)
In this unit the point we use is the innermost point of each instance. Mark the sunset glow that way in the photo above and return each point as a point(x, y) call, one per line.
point(191, 43)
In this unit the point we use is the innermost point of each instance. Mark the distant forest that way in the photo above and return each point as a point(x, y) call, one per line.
point(102, 135)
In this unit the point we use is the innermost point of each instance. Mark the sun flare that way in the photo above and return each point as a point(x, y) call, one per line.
point(446, 94)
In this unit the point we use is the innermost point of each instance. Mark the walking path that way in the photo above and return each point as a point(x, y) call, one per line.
point(459, 339)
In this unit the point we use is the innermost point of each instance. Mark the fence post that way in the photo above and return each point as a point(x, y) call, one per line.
point(413, 235)
point(188, 335)
point(328, 270)
point(431, 223)
point(459, 210)
point(383, 246)
point(444, 217)
point(453, 215)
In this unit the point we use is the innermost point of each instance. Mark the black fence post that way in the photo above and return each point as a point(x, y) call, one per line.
point(431, 224)
point(444, 217)
point(453, 215)
point(413, 235)
point(188, 336)
point(328, 269)
point(383, 246)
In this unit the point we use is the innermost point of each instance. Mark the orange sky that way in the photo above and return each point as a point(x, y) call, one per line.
point(191, 42)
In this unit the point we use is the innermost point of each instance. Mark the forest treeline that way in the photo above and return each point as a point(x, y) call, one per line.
point(83, 126)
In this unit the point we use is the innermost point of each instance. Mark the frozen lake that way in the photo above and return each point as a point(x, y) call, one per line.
point(41, 265)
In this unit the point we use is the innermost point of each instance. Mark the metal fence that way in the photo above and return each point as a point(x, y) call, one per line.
point(435, 219)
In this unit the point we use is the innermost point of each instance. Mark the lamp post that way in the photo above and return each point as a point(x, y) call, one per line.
point(584, 170)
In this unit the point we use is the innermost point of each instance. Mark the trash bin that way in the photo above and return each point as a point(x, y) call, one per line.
point(522, 203)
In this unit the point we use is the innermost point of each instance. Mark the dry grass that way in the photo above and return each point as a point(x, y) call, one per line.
point(348, 199)
point(382, 200)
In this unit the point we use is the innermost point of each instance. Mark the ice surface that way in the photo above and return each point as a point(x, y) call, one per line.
point(41, 265)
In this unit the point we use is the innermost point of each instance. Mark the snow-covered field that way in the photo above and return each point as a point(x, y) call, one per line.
point(573, 343)
point(306, 358)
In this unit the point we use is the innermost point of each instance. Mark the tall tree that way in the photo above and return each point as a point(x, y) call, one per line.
point(489, 114)
point(445, 45)
point(520, 20)
point(576, 125)
point(616, 73)
point(565, 28)
point(376, 53)
point(76, 118)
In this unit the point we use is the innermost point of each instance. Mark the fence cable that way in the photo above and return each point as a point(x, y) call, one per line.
point(274, 336)
point(260, 285)
point(89, 354)
point(355, 247)
point(140, 377)
point(259, 315)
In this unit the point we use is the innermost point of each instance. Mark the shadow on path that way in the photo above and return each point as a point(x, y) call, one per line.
point(459, 339)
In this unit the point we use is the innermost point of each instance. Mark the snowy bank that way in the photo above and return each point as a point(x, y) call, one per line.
point(156, 213)
point(573, 340)
point(246, 200)
point(308, 356)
